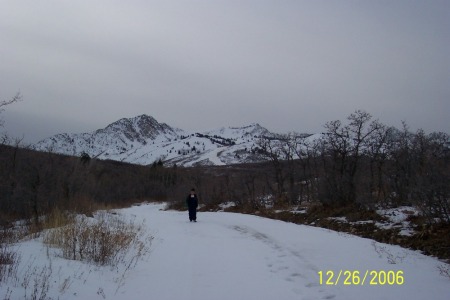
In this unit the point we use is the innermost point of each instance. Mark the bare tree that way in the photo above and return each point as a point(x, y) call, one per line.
point(249, 183)
point(377, 149)
point(430, 190)
point(272, 150)
point(307, 152)
point(344, 147)
point(401, 171)
point(4, 139)
point(4, 103)
point(287, 145)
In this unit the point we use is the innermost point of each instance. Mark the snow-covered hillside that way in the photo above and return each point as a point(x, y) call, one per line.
point(143, 140)
point(234, 256)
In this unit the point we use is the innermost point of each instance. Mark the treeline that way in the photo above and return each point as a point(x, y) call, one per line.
point(365, 163)
point(33, 183)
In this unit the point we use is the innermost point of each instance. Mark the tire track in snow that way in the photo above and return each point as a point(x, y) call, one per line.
point(302, 270)
point(221, 255)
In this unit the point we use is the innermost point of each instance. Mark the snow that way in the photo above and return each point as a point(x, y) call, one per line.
point(235, 256)
point(398, 218)
point(226, 205)
point(212, 156)
point(399, 214)
point(142, 140)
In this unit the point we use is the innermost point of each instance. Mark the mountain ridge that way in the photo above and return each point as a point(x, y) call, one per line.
point(143, 140)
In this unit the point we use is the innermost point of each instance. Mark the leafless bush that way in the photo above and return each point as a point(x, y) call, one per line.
point(36, 281)
point(3, 103)
point(104, 239)
point(9, 259)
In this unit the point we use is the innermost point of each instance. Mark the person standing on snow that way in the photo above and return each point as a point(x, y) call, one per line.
point(192, 204)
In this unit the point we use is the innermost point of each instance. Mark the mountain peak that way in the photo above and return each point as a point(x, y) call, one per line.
point(144, 119)
point(141, 119)
point(138, 128)
point(143, 140)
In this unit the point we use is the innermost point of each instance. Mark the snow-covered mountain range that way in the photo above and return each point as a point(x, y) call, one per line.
point(143, 140)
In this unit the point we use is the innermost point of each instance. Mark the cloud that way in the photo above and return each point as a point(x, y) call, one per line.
point(290, 65)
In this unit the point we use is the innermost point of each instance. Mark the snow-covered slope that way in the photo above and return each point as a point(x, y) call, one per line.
point(143, 140)
point(234, 256)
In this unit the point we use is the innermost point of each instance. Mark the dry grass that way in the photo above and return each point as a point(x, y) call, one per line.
point(9, 259)
point(57, 218)
point(104, 239)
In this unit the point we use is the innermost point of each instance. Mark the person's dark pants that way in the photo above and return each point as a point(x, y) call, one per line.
point(192, 214)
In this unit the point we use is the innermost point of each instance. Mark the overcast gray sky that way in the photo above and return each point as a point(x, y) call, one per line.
point(202, 64)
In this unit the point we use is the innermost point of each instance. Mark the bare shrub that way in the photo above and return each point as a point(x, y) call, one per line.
point(9, 259)
point(104, 239)
point(36, 282)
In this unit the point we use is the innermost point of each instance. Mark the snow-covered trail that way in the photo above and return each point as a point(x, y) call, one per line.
point(234, 256)
point(216, 258)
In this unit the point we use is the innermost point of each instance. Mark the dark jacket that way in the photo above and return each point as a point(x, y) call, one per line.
point(192, 201)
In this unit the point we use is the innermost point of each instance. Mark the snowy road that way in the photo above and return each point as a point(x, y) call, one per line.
point(233, 256)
